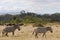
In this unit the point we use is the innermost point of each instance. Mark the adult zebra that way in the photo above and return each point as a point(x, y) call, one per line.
point(42, 30)
point(11, 29)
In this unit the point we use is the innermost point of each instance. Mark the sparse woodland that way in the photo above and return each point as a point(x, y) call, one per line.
point(29, 17)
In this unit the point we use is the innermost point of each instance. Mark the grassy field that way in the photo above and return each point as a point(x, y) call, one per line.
point(26, 33)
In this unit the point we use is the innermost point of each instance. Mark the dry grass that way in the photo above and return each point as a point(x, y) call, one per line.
point(26, 34)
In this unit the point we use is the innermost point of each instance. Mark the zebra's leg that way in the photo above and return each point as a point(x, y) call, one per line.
point(13, 33)
point(36, 35)
point(2, 33)
point(7, 34)
point(44, 34)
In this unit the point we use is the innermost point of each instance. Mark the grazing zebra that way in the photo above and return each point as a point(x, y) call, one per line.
point(11, 29)
point(42, 30)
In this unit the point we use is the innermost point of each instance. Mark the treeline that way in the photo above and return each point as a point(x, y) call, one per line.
point(29, 17)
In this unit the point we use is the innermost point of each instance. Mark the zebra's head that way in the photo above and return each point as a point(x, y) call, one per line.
point(49, 29)
point(17, 26)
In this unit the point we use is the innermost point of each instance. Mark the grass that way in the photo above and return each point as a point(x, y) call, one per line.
point(26, 34)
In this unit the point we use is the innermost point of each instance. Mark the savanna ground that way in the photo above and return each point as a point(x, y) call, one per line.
point(26, 33)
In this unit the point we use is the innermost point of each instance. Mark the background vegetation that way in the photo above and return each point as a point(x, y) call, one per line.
point(30, 17)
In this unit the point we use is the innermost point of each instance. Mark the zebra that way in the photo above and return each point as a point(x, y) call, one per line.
point(12, 29)
point(42, 30)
